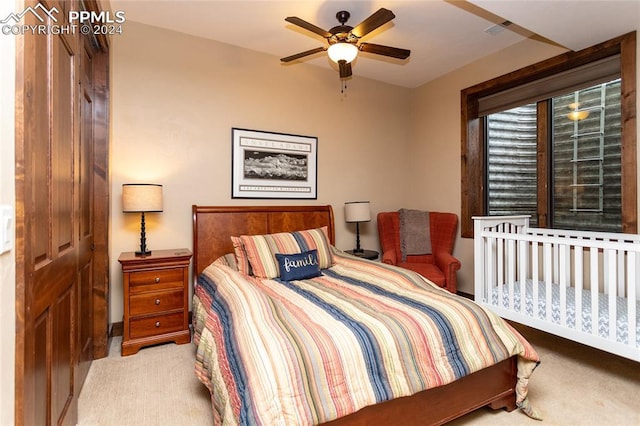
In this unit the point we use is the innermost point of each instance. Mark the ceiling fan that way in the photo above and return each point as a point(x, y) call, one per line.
point(343, 40)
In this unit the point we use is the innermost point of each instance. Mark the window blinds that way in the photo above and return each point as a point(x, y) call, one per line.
point(590, 74)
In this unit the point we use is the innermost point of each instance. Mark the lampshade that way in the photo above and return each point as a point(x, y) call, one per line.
point(141, 197)
point(357, 211)
point(342, 51)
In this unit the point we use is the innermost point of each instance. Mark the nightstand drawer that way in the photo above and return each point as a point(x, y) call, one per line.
point(155, 325)
point(161, 279)
point(161, 301)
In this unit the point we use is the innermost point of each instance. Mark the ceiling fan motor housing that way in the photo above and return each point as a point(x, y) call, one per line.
point(343, 16)
point(342, 32)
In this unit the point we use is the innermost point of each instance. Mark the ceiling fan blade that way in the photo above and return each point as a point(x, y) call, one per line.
point(303, 54)
point(379, 49)
point(379, 18)
point(307, 26)
point(345, 69)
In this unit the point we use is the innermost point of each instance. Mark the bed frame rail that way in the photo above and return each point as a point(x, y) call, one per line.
point(584, 269)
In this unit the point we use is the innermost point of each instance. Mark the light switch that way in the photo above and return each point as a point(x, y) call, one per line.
point(6, 228)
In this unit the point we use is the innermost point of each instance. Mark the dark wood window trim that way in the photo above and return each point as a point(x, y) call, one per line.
point(542, 161)
point(473, 149)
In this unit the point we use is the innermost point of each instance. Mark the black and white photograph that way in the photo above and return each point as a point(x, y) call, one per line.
point(273, 165)
point(279, 166)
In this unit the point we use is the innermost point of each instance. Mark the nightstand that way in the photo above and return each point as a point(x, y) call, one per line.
point(365, 254)
point(156, 298)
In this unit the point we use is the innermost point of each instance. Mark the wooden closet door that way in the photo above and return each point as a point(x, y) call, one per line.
point(86, 212)
point(55, 168)
point(50, 204)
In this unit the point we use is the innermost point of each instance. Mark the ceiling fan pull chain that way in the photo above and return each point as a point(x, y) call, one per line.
point(343, 85)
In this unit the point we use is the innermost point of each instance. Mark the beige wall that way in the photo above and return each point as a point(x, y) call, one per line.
point(7, 197)
point(435, 136)
point(175, 99)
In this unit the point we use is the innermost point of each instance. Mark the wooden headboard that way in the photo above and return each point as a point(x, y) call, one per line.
point(214, 225)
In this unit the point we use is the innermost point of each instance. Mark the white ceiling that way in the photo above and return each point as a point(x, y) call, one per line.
point(442, 35)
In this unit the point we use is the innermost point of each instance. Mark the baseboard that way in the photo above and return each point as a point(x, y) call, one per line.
point(117, 329)
point(466, 295)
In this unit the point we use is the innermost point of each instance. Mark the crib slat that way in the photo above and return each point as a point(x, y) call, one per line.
point(547, 279)
point(579, 284)
point(535, 269)
point(605, 268)
point(621, 287)
point(593, 251)
point(523, 265)
point(490, 252)
point(632, 277)
point(611, 283)
point(637, 281)
point(500, 260)
point(479, 261)
point(511, 271)
point(564, 259)
point(556, 269)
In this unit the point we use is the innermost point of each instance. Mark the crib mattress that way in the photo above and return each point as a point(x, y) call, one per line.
point(622, 332)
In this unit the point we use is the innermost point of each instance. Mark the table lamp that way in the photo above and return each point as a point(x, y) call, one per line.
point(142, 198)
point(357, 211)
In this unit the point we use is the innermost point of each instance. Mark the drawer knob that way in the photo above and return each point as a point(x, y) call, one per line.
point(157, 323)
point(157, 279)
point(157, 301)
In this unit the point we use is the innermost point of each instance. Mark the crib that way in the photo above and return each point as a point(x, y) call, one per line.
point(583, 286)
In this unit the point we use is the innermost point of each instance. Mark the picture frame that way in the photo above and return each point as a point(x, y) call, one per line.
point(273, 165)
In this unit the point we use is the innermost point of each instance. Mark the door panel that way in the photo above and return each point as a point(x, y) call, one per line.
point(62, 359)
point(37, 166)
point(85, 204)
point(63, 142)
point(55, 223)
point(40, 409)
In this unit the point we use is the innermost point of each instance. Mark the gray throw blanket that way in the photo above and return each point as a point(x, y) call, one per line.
point(415, 237)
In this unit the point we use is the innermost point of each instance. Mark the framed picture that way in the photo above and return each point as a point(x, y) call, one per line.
point(273, 165)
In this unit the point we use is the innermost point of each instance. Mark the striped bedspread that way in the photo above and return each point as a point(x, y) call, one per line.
point(310, 351)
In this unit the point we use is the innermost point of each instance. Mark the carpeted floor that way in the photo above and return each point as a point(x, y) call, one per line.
point(574, 385)
point(156, 386)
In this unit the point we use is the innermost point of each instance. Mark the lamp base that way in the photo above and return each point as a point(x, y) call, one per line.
point(358, 251)
point(143, 240)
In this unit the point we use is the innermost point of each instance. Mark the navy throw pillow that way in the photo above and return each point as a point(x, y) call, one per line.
point(298, 266)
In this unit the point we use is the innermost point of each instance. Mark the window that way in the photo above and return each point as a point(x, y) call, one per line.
point(556, 140)
point(511, 161)
point(585, 172)
point(586, 159)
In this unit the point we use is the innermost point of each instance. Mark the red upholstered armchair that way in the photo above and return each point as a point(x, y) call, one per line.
point(440, 266)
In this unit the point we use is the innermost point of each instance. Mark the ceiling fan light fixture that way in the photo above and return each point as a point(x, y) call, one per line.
point(577, 114)
point(342, 52)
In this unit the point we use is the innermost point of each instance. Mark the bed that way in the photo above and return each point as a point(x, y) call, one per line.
point(583, 286)
point(219, 284)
